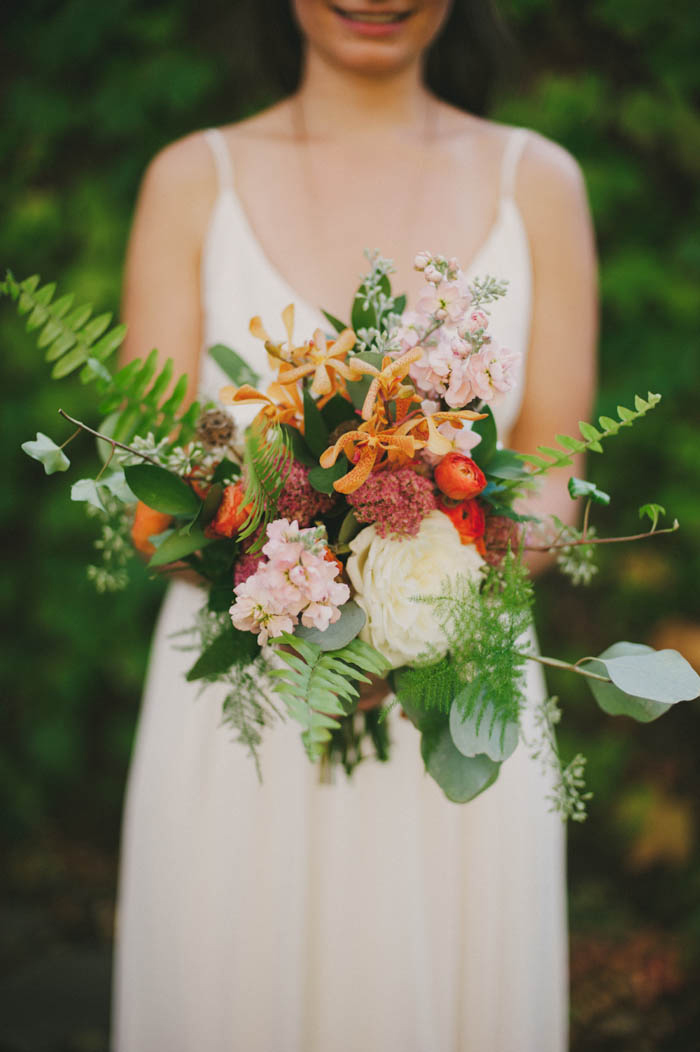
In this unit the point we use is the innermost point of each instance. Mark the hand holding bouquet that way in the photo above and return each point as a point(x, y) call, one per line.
point(367, 523)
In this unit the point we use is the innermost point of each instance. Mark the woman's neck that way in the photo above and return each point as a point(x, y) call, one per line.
point(361, 105)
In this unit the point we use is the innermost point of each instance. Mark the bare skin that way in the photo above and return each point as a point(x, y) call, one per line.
point(364, 156)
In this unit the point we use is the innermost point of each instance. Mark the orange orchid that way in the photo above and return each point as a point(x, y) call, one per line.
point(427, 427)
point(387, 381)
point(281, 404)
point(277, 352)
point(365, 447)
point(325, 359)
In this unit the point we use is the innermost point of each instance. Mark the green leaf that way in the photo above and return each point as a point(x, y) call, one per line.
point(161, 490)
point(230, 648)
point(626, 415)
point(349, 527)
point(235, 367)
point(399, 304)
point(364, 314)
point(179, 544)
point(299, 448)
point(109, 343)
point(350, 624)
point(482, 732)
point(117, 486)
point(338, 411)
point(582, 488)
point(336, 324)
point(487, 448)
point(653, 511)
point(322, 479)
point(645, 682)
point(608, 424)
point(315, 430)
point(45, 450)
point(505, 464)
point(574, 444)
point(461, 778)
point(87, 490)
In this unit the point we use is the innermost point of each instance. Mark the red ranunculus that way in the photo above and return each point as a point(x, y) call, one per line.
point(230, 515)
point(468, 519)
point(459, 477)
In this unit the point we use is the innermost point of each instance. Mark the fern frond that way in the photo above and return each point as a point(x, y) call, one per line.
point(316, 683)
point(429, 686)
point(267, 459)
point(72, 338)
point(548, 457)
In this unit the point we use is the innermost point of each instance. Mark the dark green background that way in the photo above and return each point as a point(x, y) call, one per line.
point(90, 92)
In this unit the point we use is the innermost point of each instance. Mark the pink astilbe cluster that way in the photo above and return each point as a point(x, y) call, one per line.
point(299, 500)
point(395, 501)
point(294, 583)
point(460, 360)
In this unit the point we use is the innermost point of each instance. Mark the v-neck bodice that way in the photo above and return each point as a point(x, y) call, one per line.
point(238, 280)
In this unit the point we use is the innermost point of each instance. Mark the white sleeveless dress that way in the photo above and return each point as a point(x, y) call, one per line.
point(372, 914)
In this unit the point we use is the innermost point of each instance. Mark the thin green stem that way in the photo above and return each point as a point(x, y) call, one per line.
point(586, 515)
point(106, 438)
point(70, 439)
point(556, 663)
point(601, 540)
point(106, 464)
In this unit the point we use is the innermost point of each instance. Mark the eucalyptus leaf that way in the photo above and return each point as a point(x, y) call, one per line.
point(233, 365)
point(350, 624)
point(162, 490)
point(461, 778)
point(483, 732)
point(45, 450)
point(645, 682)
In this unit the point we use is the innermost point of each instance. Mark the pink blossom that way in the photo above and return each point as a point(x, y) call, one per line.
point(492, 371)
point(478, 320)
point(459, 391)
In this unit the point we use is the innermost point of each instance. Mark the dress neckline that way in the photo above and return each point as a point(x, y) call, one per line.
point(228, 193)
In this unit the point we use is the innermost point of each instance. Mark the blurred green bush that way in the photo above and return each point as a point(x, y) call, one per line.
point(91, 92)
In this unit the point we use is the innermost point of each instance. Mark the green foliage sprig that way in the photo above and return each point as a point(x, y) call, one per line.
point(267, 458)
point(317, 686)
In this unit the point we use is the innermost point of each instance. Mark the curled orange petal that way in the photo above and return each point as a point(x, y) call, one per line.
point(359, 474)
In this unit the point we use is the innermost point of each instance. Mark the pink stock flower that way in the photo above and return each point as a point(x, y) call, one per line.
point(295, 580)
point(492, 371)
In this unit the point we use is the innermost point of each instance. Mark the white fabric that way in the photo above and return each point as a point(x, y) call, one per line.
point(298, 917)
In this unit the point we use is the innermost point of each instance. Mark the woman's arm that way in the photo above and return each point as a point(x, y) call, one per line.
point(561, 363)
point(161, 299)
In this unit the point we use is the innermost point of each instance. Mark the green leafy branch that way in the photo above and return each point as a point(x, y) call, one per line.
point(317, 686)
point(548, 457)
point(135, 399)
point(267, 458)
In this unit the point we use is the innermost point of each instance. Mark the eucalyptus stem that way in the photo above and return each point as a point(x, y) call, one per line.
point(106, 438)
point(556, 663)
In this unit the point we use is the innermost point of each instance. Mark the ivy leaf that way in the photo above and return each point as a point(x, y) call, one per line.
point(87, 490)
point(117, 485)
point(341, 632)
point(645, 682)
point(653, 511)
point(582, 488)
point(233, 365)
point(161, 489)
point(45, 450)
point(230, 648)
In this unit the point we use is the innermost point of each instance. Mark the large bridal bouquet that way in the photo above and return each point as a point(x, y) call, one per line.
point(367, 523)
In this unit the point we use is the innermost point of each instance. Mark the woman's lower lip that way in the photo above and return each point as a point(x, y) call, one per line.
point(370, 29)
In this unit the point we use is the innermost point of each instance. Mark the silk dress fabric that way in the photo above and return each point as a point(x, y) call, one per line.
point(370, 914)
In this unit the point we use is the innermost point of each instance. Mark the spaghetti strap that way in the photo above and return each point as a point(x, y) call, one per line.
point(222, 157)
point(509, 163)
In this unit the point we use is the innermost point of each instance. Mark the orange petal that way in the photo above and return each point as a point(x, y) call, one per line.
point(322, 382)
point(288, 319)
point(370, 399)
point(330, 455)
point(344, 343)
point(257, 329)
point(359, 474)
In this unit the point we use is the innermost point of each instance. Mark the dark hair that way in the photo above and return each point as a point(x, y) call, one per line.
point(464, 66)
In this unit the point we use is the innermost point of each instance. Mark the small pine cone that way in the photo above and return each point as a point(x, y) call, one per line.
point(342, 429)
point(215, 428)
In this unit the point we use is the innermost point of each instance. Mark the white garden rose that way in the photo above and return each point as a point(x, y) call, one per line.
point(387, 573)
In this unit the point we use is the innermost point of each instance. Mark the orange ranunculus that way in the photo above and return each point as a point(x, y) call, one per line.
point(459, 477)
point(231, 514)
point(468, 519)
point(147, 523)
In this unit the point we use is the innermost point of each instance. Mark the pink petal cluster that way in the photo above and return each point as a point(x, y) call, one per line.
point(395, 501)
point(463, 438)
point(295, 582)
point(460, 362)
point(298, 499)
